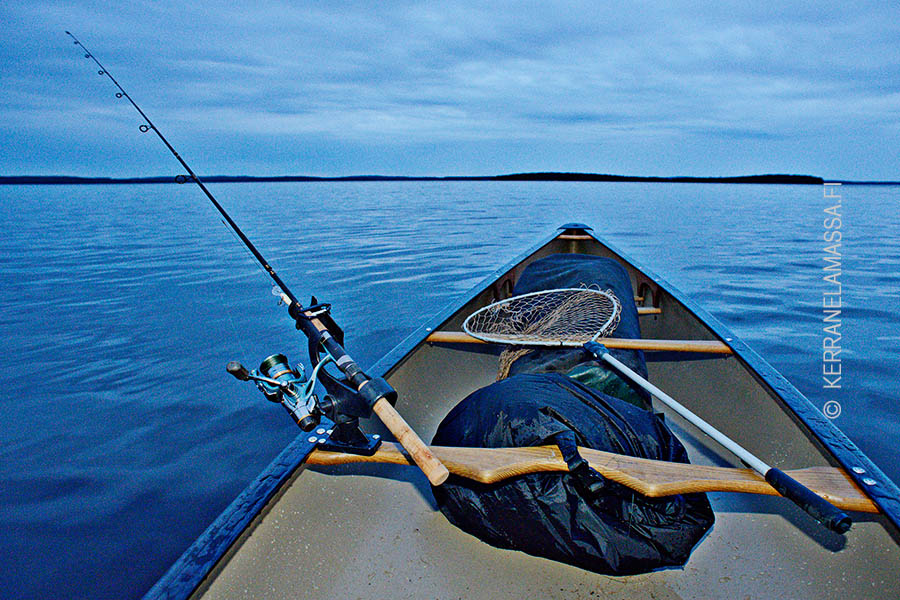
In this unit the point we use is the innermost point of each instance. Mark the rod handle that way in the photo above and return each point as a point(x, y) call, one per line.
point(421, 454)
point(816, 506)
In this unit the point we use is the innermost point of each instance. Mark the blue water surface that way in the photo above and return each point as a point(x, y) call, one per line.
point(123, 437)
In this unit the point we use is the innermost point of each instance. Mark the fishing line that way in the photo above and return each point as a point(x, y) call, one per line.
point(258, 266)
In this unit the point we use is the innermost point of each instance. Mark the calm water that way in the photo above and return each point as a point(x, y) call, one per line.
point(123, 437)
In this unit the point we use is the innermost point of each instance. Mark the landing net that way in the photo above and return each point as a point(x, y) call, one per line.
point(562, 317)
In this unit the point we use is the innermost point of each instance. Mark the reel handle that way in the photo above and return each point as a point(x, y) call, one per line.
point(239, 371)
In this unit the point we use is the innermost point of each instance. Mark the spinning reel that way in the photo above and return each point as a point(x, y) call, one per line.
point(281, 384)
point(290, 387)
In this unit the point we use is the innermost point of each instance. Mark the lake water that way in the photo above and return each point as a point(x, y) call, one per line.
point(123, 437)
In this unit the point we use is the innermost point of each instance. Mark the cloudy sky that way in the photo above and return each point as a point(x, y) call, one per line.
point(334, 88)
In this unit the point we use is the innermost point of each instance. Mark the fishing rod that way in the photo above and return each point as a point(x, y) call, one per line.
point(149, 126)
point(349, 398)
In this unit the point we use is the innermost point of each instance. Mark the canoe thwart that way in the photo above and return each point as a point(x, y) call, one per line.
point(703, 346)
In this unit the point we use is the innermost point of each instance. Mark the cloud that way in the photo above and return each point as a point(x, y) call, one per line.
point(576, 74)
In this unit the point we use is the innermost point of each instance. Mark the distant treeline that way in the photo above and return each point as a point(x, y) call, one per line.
point(772, 178)
point(548, 176)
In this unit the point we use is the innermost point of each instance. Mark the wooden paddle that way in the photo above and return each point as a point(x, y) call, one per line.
point(651, 478)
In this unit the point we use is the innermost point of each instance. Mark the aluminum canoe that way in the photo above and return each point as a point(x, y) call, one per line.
point(373, 531)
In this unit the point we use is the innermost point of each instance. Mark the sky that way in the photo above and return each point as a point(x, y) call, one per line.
point(453, 88)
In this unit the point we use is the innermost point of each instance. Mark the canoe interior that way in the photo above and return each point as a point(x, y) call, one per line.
point(372, 531)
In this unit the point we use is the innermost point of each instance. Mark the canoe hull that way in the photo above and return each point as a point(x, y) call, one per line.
point(374, 531)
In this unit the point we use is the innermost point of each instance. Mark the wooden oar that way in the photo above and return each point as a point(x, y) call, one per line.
point(651, 478)
point(703, 346)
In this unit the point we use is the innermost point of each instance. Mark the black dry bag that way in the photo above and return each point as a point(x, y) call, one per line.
point(577, 517)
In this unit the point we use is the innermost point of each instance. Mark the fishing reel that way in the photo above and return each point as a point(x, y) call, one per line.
point(284, 385)
point(291, 388)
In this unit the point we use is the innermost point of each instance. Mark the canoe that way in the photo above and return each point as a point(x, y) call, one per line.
point(373, 531)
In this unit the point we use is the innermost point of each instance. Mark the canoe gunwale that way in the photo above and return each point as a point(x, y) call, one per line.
point(188, 574)
point(191, 571)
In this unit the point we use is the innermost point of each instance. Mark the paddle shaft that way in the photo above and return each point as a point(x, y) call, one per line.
point(817, 507)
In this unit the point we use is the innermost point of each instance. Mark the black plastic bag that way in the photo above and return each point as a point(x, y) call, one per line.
point(576, 517)
point(581, 270)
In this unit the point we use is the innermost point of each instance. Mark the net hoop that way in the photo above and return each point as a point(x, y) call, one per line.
point(487, 323)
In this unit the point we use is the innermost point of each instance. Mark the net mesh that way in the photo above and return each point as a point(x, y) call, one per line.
point(553, 317)
point(509, 355)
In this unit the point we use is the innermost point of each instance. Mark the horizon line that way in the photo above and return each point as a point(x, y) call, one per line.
point(768, 178)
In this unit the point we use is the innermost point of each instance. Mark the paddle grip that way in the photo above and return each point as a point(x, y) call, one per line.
point(816, 506)
point(421, 454)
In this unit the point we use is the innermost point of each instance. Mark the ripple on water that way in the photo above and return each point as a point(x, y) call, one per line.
point(129, 300)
